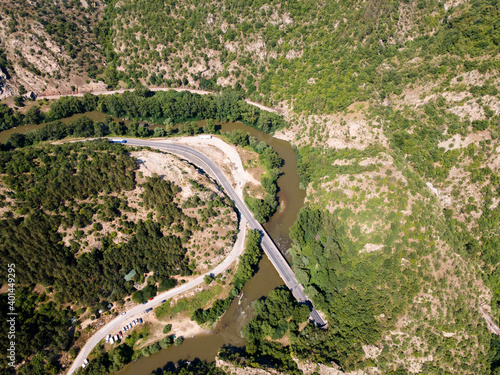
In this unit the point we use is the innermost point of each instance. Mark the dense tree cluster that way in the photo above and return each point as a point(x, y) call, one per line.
point(158, 195)
point(262, 209)
point(9, 118)
point(340, 46)
point(80, 127)
point(53, 187)
point(158, 106)
point(110, 361)
point(273, 316)
point(340, 288)
point(84, 127)
point(41, 327)
point(47, 177)
point(276, 314)
point(144, 294)
point(113, 360)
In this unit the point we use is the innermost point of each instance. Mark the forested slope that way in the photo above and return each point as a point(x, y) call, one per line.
point(394, 107)
point(77, 218)
point(323, 55)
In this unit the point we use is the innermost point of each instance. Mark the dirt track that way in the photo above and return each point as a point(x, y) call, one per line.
point(194, 91)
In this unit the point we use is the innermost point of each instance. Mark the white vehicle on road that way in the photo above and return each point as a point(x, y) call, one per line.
point(85, 363)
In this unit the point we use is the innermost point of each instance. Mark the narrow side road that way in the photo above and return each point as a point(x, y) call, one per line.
point(121, 91)
point(116, 324)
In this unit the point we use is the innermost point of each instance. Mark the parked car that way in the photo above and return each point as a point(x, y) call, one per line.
point(107, 338)
point(123, 313)
point(164, 301)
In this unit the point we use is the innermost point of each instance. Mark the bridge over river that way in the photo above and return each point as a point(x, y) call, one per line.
point(203, 162)
point(271, 250)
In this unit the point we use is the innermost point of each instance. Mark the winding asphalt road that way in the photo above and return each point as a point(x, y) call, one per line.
point(271, 250)
point(247, 220)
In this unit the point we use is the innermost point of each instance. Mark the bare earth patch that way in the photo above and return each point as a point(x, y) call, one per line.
point(346, 130)
point(224, 155)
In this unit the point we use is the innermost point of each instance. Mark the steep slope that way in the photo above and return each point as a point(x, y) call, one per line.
point(382, 262)
point(324, 55)
point(49, 45)
point(395, 109)
point(420, 77)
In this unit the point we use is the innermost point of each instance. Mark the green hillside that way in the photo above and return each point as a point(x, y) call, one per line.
point(394, 108)
point(76, 219)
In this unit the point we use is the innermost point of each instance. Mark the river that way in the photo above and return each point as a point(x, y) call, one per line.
point(227, 331)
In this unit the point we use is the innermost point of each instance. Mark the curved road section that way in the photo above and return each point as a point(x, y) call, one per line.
point(269, 247)
point(247, 220)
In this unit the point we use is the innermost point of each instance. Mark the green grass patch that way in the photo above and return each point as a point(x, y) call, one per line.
point(188, 304)
point(136, 335)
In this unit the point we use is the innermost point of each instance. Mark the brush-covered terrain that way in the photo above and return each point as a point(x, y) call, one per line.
point(394, 108)
point(89, 224)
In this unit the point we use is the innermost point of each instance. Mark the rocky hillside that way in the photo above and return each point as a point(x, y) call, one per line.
point(49, 45)
point(395, 109)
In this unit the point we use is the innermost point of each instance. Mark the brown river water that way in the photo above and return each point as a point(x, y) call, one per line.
point(227, 331)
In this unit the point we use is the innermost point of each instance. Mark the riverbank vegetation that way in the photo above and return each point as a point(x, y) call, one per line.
point(277, 315)
point(264, 208)
point(196, 306)
point(168, 107)
point(102, 361)
point(370, 211)
point(247, 266)
point(86, 230)
point(394, 108)
point(128, 350)
point(320, 57)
